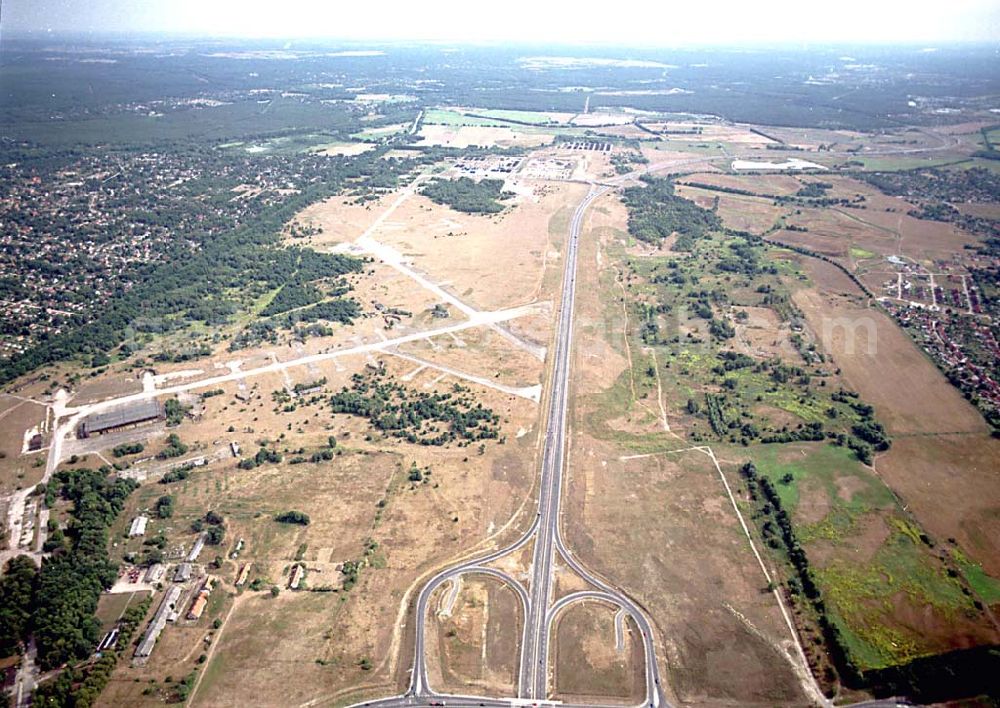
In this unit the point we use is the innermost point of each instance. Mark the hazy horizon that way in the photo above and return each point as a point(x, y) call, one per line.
point(716, 23)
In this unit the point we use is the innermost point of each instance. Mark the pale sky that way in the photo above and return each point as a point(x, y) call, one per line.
point(660, 22)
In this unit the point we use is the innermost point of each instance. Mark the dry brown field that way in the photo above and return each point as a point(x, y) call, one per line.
point(951, 483)
point(985, 211)
point(684, 161)
point(482, 352)
point(833, 232)
point(487, 261)
point(341, 218)
point(17, 415)
point(346, 149)
point(475, 648)
point(588, 666)
point(736, 211)
point(104, 387)
point(777, 184)
point(682, 555)
point(763, 335)
point(714, 133)
point(472, 500)
point(878, 360)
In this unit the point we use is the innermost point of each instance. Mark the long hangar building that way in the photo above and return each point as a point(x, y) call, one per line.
point(120, 418)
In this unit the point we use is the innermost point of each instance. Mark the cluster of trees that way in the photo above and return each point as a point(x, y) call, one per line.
point(264, 455)
point(732, 361)
point(178, 474)
point(655, 212)
point(16, 593)
point(623, 161)
point(175, 412)
point(342, 310)
point(215, 528)
point(177, 357)
point(871, 435)
point(418, 474)
point(174, 448)
point(351, 570)
point(467, 195)
point(974, 184)
point(725, 189)
point(293, 517)
point(418, 417)
point(809, 432)
point(127, 449)
point(165, 506)
point(255, 333)
point(743, 257)
point(71, 579)
point(80, 688)
point(312, 330)
point(721, 329)
point(300, 387)
point(324, 454)
point(814, 190)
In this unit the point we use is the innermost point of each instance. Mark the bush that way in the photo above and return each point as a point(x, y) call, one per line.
point(165, 507)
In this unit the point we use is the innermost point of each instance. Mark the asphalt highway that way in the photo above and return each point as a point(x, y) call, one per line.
point(539, 612)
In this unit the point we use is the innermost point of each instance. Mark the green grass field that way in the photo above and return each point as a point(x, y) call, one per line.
point(867, 588)
point(373, 134)
point(438, 116)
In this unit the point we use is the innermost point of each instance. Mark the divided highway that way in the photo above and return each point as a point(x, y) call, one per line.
point(540, 613)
